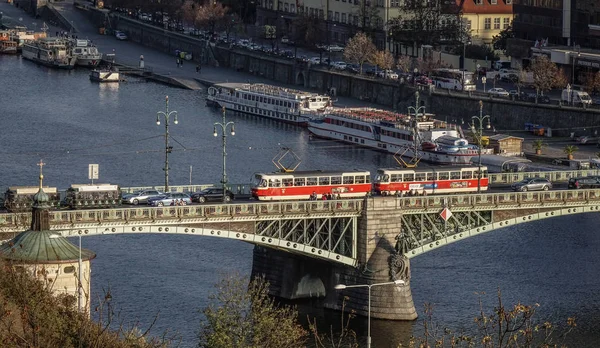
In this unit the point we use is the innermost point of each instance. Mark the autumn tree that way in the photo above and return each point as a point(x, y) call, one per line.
point(591, 82)
point(205, 15)
point(243, 315)
point(546, 74)
point(359, 50)
point(383, 59)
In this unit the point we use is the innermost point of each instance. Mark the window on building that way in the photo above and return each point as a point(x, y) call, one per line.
point(494, 2)
point(293, 8)
point(329, 15)
point(311, 12)
point(321, 14)
point(478, 2)
point(336, 17)
point(270, 5)
point(286, 7)
point(469, 24)
point(279, 5)
point(487, 23)
point(508, 2)
point(301, 9)
point(506, 23)
point(395, 3)
point(343, 18)
point(496, 23)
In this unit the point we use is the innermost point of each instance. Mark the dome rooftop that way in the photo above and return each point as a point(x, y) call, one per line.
point(42, 247)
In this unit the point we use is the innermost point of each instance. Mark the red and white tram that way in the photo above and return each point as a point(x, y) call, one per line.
point(303, 185)
point(430, 180)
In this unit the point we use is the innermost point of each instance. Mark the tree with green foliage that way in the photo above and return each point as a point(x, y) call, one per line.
point(499, 41)
point(243, 315)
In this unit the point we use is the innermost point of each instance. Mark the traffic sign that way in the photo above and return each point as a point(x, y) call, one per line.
point(446, 214)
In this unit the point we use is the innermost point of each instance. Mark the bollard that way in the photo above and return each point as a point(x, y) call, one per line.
point(141, 61)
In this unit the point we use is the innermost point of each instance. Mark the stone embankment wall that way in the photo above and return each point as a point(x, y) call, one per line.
point(506, 115)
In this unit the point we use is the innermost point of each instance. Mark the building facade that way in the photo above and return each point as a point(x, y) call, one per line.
point(486, 18)
point(341, 19)
point(560, 22)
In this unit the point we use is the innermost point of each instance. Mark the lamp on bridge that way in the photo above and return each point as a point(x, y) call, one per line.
point(223, 126)
point(478, 134)
point(369, 286)
point(167, 114)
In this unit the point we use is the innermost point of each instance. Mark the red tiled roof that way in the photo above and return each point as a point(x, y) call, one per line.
point(486, 7)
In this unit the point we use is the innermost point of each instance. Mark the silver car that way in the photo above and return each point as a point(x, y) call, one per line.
point(174, 198)
point(140, 197)
point(532, 184)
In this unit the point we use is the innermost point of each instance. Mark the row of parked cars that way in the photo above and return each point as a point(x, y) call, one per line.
point(516, 95)
point(543, 184)
point(158, 199)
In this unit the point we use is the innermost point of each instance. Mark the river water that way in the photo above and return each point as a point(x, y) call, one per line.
point(69, 122)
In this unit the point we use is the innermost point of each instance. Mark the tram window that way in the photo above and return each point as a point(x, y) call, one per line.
point(348, 180)
point(409, 177)
point(443, 176)
point(396, 177)
point(359, 179)
point(274, 183)
point(430, 176)
point(484, 174)
point(368, 179)
point(454, 175)
point(311, 181)
point(420, 177)
point(467, 175)
point(336, 180)
point(324, 180)
point(299, 181)
point(288, 182)
point(383, 177)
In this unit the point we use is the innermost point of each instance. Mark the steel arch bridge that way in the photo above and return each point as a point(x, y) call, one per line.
point(329, 230)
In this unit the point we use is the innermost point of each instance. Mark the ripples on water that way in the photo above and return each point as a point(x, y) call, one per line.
point(70, 122)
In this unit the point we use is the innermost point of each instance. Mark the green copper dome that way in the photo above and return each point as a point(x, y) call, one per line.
point(42, 247)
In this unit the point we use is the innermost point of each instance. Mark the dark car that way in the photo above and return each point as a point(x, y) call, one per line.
point(353, 68)
point(211, 194)
point(584, 182)
point(532, 184)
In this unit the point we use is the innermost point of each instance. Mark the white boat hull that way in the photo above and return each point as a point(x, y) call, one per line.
point(297, 119)
point(404, 148)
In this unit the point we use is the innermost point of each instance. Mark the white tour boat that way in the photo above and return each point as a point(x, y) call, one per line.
point(417, 136)
point(279, 103)
point(87, 55)
point(51, 51)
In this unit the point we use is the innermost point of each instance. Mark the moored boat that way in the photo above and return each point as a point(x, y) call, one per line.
point(52, 52)
point(87, 55)
point(415, 136)
point(279, 103)
point(103, 75)
point(7, 45)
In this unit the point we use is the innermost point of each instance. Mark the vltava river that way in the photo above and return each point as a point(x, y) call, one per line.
point(69, 122)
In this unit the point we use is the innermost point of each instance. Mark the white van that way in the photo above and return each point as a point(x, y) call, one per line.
point(575, 97)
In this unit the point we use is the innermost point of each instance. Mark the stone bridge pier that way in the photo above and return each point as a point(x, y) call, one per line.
point(293, 276)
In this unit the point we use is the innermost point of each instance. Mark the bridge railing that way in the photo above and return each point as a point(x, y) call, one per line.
point(243, 188)
point(220, 212)
point(498, 201)
point(553, 176)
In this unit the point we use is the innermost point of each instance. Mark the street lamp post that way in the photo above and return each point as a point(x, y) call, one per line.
point(478, 133)
point(223, 126)
point(167, 114)
point(415, 76)
point(573, 67)
point(79, 280)
point(369, 286)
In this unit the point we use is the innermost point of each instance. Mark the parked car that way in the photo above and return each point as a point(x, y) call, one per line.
point(390, 74)
point(339, 65)
point(498, 92)
point(120, 35)
point(531, 97)
point(584, 182)
point(172, 198)
point(370, 71)
point(424, 80)
point(532, 184)
point(140, 197)
point(334, 48)
point(211, 194)
point(514, 94)
point(315, 60)
point(509, 78)
point(353, 68)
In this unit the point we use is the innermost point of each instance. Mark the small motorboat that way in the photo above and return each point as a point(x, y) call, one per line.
point(105, 75)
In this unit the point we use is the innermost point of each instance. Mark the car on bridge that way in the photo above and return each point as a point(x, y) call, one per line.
point(120, 35)
point(214, 194)
point(584, 182)
point(532, 184)
point(171, 198)
point(140, 197)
